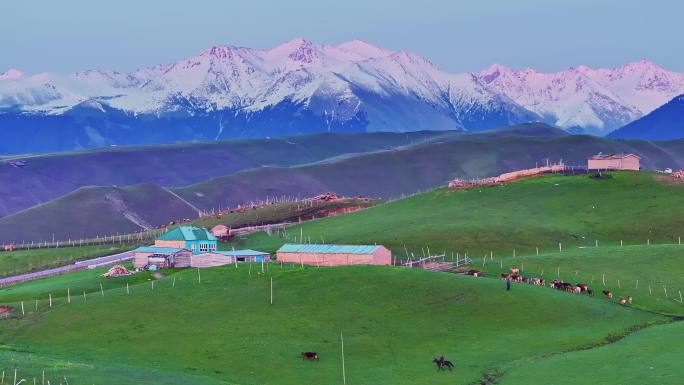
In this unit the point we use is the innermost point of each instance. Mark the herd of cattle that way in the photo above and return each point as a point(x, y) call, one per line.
point(514, 276)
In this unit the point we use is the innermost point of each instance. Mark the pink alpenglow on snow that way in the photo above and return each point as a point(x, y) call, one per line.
point(334, 255)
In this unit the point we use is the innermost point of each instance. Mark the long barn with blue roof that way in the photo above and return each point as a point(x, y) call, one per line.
point(334, 255)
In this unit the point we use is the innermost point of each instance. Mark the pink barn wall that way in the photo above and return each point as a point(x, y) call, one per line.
point(382, 256)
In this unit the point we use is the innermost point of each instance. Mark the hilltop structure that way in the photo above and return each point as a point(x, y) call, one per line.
point(614, 162)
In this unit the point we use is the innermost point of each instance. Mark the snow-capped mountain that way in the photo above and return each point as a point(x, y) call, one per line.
point(582, 99)
point(299, 87)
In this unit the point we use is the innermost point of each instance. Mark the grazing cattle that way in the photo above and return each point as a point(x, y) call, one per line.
point(590, 292)
point(475, 273)
point(623, 301)
point(577, 290)
point(505, 276)
point(608, 294)
point(629, 299)
point(515, 270)
point(583, 287)
point(311, 356)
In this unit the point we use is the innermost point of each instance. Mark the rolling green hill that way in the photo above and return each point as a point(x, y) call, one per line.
point(394, 321)
point(380, 174)
point(48, 176)
point(41, 257)
point(391, 174)
point(522, 215)
point(96, 211)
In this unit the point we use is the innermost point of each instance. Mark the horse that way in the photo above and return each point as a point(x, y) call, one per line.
point(443, 363)
point(311, 356)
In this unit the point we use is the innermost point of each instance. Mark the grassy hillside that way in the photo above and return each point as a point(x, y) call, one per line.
point(657, 268)
point(96, 211)
point(393, 173)
point(21, 261)
point(381, 174)
point(659, 351)
point(49, 176)
point(394, 322)
point(534, 212)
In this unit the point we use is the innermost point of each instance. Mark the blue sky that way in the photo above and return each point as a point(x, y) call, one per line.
point(456, 35)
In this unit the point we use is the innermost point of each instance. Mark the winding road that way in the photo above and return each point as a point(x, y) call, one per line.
point(76, 266)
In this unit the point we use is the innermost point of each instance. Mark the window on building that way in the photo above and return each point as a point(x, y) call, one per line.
point(212, 247)
point(203, 247)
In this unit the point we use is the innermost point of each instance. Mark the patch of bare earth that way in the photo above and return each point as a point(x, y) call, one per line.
point(667, 179)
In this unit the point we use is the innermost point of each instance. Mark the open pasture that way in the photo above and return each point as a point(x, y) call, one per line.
point(220, 327)
point(651, 275)
point(531, 213)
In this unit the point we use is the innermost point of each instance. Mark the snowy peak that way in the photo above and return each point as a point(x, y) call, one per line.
point(363, 50)
point(596, 101)
point(353, 81)
point(11, 74)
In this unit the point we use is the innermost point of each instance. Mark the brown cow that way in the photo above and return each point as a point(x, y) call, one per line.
point(311, 356)
point(515, 270)
point(623, 301)
point(583, 287)
point(608, 294)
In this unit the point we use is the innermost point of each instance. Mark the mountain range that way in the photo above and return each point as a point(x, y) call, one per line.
point(665, 122)
point(301, 87)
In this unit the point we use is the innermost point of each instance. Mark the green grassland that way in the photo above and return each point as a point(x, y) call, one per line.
point(279, 213)
point(23, 261)
point(225, 331)
point(649, 357)
point(523, 215)
point(391, 174)
point(217, 326)
point(658, 268)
